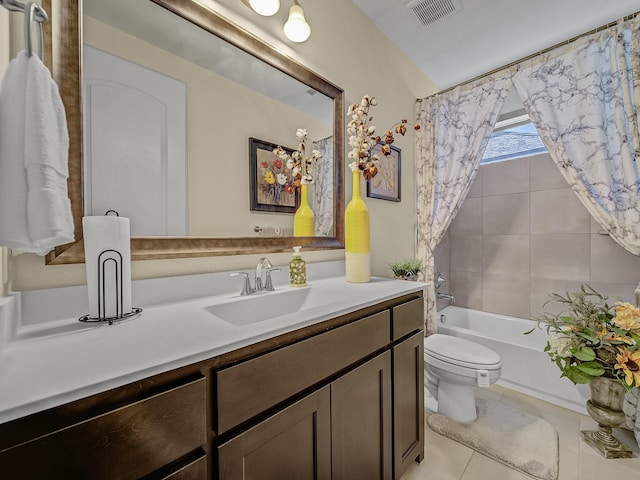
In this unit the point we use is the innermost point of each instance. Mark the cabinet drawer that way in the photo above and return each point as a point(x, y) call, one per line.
point(407, 318)
point(249, 388)
point(129, 442)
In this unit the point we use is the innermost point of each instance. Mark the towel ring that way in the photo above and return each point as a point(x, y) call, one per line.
point(33, 12)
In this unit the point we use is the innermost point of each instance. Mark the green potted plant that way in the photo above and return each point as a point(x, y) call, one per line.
point(407, 269)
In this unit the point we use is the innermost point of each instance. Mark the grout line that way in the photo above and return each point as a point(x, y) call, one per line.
point(473, 452)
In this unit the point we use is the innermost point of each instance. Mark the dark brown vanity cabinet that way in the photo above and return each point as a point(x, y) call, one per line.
point(366, 420)
point(127, 442)
point(342, 431)
point(341, 399)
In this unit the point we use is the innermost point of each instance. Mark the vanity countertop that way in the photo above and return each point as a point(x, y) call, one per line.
point(76, 360)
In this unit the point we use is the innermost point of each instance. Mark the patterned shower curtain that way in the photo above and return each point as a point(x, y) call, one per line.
point(321, 198)
point(582, 98)
point(455, 129)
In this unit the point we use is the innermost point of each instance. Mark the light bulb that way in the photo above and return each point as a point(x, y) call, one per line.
point(297, 29)
point(266, 8)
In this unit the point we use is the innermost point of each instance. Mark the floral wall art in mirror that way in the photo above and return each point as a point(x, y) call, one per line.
point(271, 183)
point(386, 184)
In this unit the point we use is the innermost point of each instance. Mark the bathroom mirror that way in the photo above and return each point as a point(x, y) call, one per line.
point(64, 51)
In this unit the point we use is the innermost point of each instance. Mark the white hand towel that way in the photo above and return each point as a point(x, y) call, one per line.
point(35, 212)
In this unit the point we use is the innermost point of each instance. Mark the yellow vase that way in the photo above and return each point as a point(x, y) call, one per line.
point(303, 221)
point(356, 226)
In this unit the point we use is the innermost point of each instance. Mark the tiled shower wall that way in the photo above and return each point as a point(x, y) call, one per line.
point(521, 234)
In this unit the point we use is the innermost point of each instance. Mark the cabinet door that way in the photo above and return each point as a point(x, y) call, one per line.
point(361, 422)
point(292, 444)
point(408, 403)
point(195, 470)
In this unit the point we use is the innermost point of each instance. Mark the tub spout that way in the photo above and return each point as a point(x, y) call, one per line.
point(446, 296)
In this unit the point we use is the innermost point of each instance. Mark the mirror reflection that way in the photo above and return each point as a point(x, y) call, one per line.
point(170, 112)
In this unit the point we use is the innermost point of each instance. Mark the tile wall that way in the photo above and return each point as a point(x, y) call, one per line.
point(521, 234)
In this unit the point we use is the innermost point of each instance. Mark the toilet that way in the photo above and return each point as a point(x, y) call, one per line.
point(454, 367)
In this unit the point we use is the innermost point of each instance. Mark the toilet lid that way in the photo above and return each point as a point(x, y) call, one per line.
point(459, 351)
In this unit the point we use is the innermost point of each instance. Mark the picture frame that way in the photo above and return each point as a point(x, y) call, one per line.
point(386, 185)
point(268, 189)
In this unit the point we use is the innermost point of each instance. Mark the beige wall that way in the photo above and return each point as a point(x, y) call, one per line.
point(218, 130)
point(358, 57)
point(522, 234)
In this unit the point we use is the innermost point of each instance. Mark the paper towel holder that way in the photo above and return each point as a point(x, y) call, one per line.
point(106, 258)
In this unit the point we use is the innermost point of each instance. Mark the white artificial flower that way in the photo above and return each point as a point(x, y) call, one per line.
point(561, 345)
point(301, 134)
point(281, 178)
point(289, 164)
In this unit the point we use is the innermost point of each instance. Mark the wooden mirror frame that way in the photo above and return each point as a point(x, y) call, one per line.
point(63, 54)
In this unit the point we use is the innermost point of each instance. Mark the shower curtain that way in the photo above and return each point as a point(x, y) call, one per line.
point(321, 199)
point(454, 130)
point(582, 98)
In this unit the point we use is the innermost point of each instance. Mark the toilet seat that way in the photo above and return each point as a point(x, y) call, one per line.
point(460, 352)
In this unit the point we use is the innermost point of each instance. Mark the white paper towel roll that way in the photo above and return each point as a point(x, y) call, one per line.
point(103, 233)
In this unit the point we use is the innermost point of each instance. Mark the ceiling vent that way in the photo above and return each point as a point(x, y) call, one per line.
point(429, 12)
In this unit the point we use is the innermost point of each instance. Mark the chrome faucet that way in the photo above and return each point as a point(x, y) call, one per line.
point(446, 296)
point(439, 282)
point(247, 289)
point(262, 263)
point(260, 285)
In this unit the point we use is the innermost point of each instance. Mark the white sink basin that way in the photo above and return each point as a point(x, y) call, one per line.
point(266, 306)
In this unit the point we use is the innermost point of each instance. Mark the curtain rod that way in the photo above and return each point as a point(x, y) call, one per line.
point(533, 55)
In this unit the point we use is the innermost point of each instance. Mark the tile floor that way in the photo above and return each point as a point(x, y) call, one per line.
point(449, 460)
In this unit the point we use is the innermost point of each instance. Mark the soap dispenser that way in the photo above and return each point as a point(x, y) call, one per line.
point(297, 269)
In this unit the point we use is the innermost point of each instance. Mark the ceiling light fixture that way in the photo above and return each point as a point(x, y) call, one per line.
point(266, 8)
point(297, 29)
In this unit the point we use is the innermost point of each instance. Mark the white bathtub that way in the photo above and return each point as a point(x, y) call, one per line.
point(525, 366)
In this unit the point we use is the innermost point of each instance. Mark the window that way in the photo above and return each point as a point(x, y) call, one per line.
point(513, 138)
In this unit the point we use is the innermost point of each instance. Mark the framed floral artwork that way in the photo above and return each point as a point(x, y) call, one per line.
point(271, 186)
point(386, 184)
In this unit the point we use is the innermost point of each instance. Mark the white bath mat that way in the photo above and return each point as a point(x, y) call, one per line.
point(519, 440)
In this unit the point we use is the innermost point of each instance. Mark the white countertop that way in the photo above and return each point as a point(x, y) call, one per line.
point(74, 360)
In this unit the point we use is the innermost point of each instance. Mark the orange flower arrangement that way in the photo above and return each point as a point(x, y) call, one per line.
point(595, 339)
